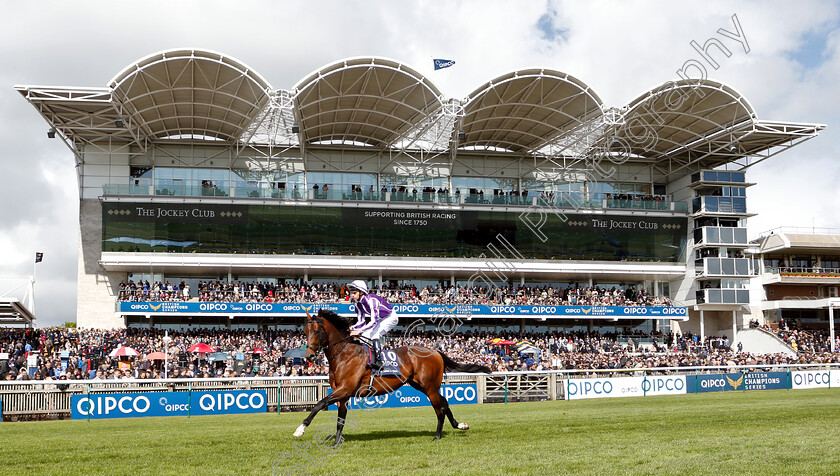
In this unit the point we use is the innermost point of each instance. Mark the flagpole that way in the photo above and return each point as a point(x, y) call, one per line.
point(32, 288)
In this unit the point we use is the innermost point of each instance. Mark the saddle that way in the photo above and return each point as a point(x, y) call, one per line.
point(390, 362)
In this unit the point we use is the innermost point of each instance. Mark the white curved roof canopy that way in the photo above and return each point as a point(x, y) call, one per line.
point(372, 101)
point(378, 102)
point(191, 93)
point(680, 117)
point(524, 110)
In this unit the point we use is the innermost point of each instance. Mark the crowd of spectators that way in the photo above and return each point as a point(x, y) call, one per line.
point(265, 353)
point(800, 340)
point(223, 291)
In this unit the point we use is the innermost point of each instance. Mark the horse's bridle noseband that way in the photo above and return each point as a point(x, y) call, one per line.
point(321, 335)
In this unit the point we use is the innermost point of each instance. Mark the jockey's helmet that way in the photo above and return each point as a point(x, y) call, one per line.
point(358, 285)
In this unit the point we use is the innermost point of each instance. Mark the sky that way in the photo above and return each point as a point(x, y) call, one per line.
point(621, 49)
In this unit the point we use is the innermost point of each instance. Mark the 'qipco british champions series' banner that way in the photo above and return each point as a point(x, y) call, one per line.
point(738, 381)
point(407, 310)
point(132, 405)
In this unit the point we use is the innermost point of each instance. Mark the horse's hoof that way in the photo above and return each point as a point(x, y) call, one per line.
point(300, 431)
point(463, 426)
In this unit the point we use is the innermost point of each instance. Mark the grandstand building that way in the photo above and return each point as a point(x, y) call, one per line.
point(193, 167)
point(800, 276)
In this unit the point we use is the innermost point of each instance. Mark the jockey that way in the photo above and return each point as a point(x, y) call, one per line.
point(375, 317)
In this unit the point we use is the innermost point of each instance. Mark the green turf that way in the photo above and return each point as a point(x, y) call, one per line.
point(768, 432)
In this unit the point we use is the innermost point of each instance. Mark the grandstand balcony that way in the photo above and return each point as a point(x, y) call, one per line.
point(470, 197)
point(723, 296)
point(219, 266)
point(714, 206)
point(719, 177)
point(725, 267)
point(721, 236)
point(801, 275)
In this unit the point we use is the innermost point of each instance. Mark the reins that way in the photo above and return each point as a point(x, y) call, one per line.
point(322, 336)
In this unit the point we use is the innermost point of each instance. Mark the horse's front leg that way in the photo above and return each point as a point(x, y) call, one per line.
point(339, 394)
point(342, 417)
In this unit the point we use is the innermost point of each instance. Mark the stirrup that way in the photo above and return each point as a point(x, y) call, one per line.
point(377, 365)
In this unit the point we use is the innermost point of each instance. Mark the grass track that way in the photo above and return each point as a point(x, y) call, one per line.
point(762, 432)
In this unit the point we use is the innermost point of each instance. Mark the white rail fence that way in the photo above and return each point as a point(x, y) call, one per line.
point(23, 400)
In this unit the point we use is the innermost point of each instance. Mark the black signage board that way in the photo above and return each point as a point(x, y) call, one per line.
point(175, 213)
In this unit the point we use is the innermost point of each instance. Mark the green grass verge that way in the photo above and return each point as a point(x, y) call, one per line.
point(767, 432)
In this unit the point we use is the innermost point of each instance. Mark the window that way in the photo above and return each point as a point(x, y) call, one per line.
point(831, 263)
point(723, 176)
point(341, 181)
point(287, 229)
point(190, 181)
point(801, 262)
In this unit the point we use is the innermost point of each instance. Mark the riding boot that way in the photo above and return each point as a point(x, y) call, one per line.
point(377, 357)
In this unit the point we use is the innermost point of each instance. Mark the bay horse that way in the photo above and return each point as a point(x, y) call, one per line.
point(420, 367)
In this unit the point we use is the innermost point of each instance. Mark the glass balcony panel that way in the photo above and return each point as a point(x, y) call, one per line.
point(569, 200)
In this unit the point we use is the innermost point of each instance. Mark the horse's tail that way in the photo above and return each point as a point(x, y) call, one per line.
point(450, 364)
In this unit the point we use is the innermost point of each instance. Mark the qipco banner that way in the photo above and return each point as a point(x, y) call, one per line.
point(737, 382)
point(132, 405)
point(409, 397)
point(577, 389)
point(813, 379)
point(664, 385)
point(405, 310)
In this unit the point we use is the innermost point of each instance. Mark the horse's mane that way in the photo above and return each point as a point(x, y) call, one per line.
point(339, 322)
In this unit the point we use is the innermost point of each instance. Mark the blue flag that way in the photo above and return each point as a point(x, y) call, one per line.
point(443, 63)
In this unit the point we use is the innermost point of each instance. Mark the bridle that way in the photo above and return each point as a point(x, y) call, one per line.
point(321, 336)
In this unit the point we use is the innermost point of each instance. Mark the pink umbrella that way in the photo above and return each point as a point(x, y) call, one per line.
point(201, 348)
point(123, 351)
point(155, 356)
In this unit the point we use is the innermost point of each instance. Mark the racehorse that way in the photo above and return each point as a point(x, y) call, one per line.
point(420, 367)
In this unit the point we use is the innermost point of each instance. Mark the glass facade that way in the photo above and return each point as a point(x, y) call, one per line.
point(287, 229)
point(186, 181)
point(720, 204)
point(720, 235)
point(341, 182)
point(719, 176)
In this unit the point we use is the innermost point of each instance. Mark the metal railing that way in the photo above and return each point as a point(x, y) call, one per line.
point(804, 271)
point(560, 199)
point(804, 230)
